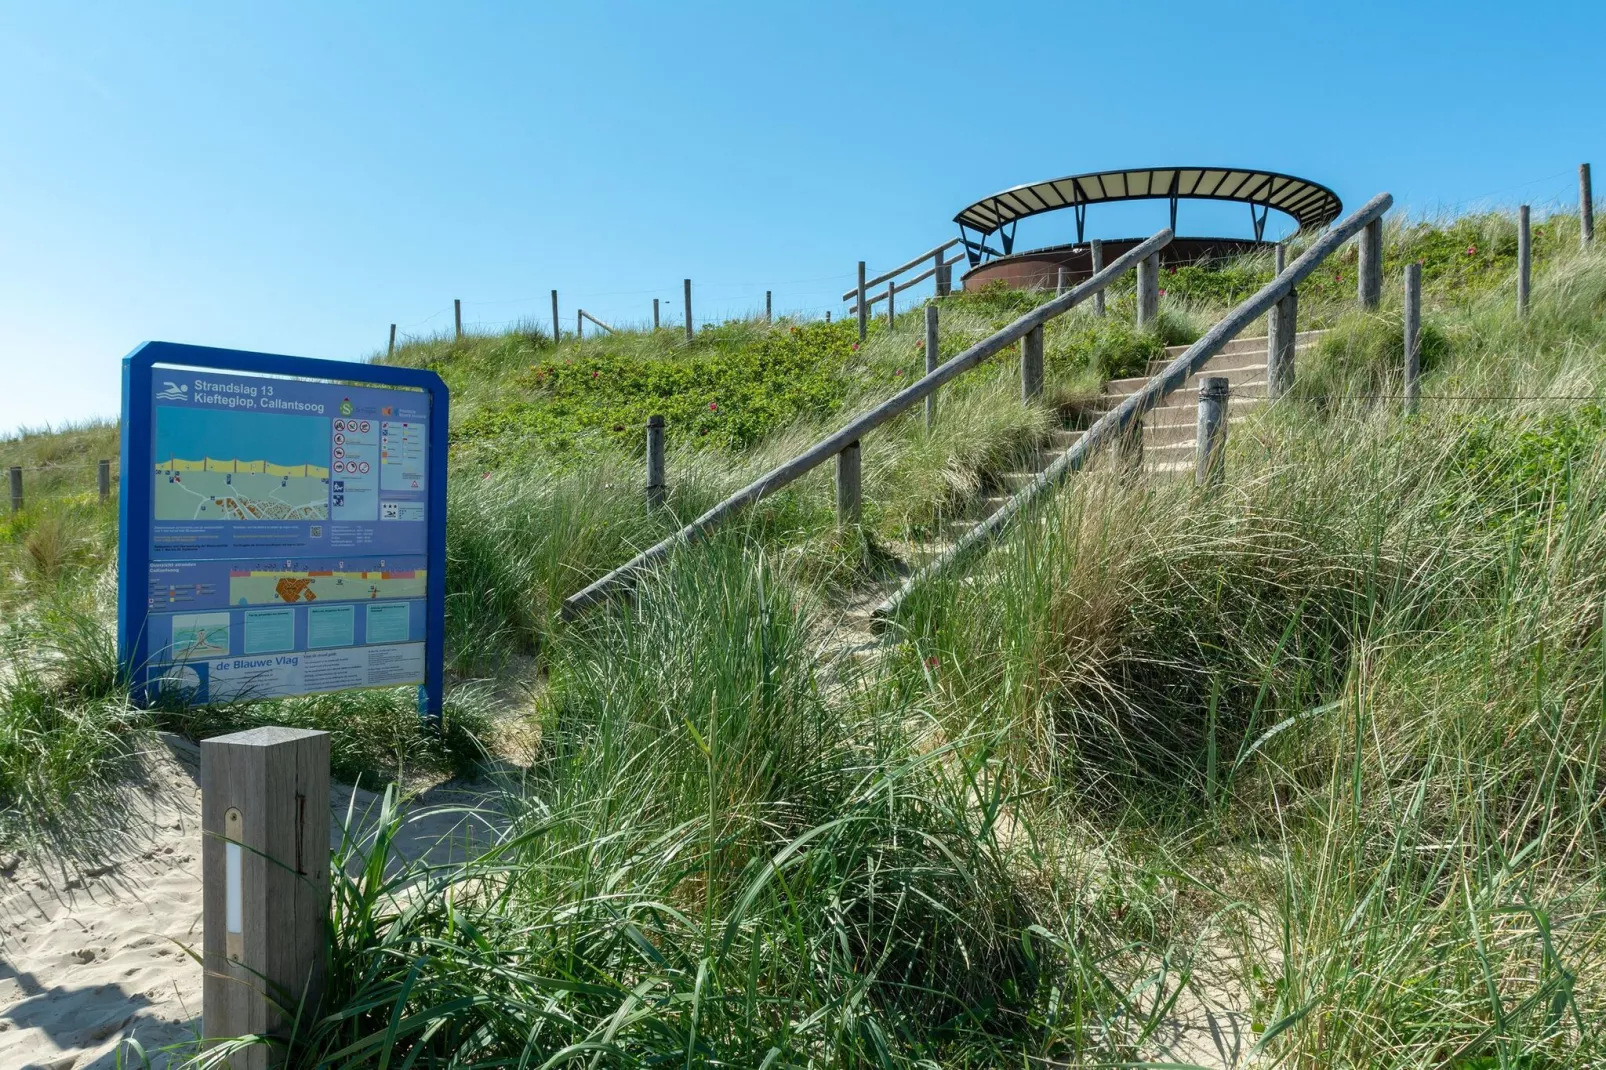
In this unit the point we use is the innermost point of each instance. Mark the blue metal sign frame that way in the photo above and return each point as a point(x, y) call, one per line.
point(136, 507)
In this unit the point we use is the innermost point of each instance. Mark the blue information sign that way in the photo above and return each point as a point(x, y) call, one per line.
point(282, 525)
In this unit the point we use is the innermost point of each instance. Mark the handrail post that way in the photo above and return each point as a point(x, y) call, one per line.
point(1031, 365)
point(655, 462)
point(847, 485)
point(1413, 335)
point(1211, 437)
point(1148, 290)
point(932, 360)
point(864, 308)
point(1281, 335)
point(945, 279)
point(1524, 260)
point(1280, 258)
point(936, 271)
point(1370, 283)
point(1059, 281)
point(892, 289)
point(686, 289)
point(1097, 250)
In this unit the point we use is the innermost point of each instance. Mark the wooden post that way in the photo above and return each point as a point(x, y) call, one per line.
point(457, 313)
point(686, 289)
point(1148, 290)
point(936, 273)
point(264, 881)
point(1586, 207)
point(1211, 437)
point(579, 323)
point(1369, 285)
point(1097, 249)
point(103, 479)
point(892, 291)
point(1413, 334)
point(16, 488)
point(769, 310)
point(827, 315)
point(1281, 257)
point(945, 278)
point(1524, 259)
point(847, 485)
point(556, 328)
point(933, 345)
point(391, 350)
point(655, 462)
point(1282, 329)
point(1059, 282)
point(864, 307)
point(655, 313)
point(1031, 365)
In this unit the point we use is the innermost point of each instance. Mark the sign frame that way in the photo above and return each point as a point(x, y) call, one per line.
point(136, 505)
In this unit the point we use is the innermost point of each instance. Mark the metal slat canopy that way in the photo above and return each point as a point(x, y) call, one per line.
point(1310, 204)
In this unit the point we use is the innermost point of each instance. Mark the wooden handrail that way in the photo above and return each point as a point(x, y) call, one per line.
point(899, 287)
point(850, 433)
point(594, 319)
point(901, 268)
point(1107, 428)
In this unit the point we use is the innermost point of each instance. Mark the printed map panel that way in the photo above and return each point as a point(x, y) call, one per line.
point(220, 465)
point(259, 587)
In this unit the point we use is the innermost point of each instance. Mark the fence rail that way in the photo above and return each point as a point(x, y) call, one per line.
point(844, 443)
point(16, 476)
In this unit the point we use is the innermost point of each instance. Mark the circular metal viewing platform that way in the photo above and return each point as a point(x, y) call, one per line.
point(1310, 205)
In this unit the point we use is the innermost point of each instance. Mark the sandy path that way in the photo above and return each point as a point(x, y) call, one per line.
point(91, 955)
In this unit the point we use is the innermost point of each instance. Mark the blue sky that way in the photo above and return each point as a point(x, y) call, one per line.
point(295, 177)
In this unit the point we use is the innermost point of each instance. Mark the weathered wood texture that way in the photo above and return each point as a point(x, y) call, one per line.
point(655, 313)
point(1031, 365)
point(933, 347)
point(557, 328)
point(942, 287)
point(655, 462)
point(1282, 332)
point(769, 308)
point(861, 306)
point(457, 314)
point(1148, 291)
point(582, 313)
point(1210, 437)
point(858, 427)
point(1586, 206)
point(848, 491)
point(103, 479)
point(1525, 262)
point(686, 292)
point(1413, 335)
point(1105, 429)
point(892, 291)
point(390, 350)
point(1369, 281)
point(277, 779)
point(1096, 250)
point(16, 488)
point(930, 254)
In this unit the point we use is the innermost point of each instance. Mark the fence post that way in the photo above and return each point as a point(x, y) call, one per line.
point(579, 323)
point(1413, 335)
point(1097, 249)
point(827, 316)
point(103, 479)
point(847, 485)
point(686, 286)
point(1586, 207)
point(1059, 281)
point(936, 271)
point(655, 313)
point(1369, 285)
point(557, 332)
point(1031, 365)
point(16, 488)
point(1282, 324)
point(864, 309)
point(892, 290)
point(932, 360)
point(457, 314)
point(264, 880)
point(945, 278)
point(1148, 290)
point(655, 462)
point(391, 350)
point(1211, 437)
point(1524, 259)
point(1281, 257)
point(769, 315)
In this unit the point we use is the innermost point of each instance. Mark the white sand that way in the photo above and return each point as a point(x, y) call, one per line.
point(93, 954)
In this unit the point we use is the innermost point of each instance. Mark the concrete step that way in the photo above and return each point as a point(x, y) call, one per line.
point(1250, 344)
point(1236, 375)
point(1228, 360)
point(1184, 412)
point(1156, 440)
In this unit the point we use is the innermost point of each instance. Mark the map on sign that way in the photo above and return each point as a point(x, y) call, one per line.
point(291, 530)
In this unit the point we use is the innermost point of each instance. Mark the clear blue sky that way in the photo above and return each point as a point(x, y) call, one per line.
point(294, 177)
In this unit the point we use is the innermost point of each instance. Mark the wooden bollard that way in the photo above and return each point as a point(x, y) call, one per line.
point(390, 351)
point(16, 488)
point(1211, 437)
point(265, 882)
point(1148, 290)
point(892, 292)
point(932, 360)
point(864, 307)
point(1586, 207)
point(1524, 259)
point(103, 479)
point(1096, 249)
point(1282, 333)
point(1413, 335)
point(557, 328)
point(1369, 282)
point(847, 485)
point(686, 289)
point(655, 313)
point(457, 314)
point(655, 462)
point(1031, 365)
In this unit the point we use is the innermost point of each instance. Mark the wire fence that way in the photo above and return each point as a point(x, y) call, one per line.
point(66, 480)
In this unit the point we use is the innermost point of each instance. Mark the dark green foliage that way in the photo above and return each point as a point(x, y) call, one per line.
point(1524, 464)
